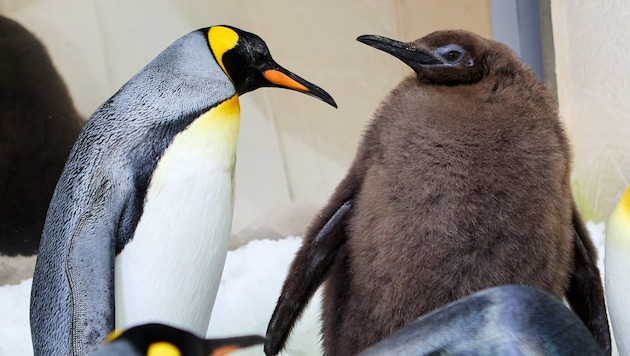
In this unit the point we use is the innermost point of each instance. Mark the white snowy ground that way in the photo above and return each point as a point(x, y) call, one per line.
point(250, 286)
point(251, 283)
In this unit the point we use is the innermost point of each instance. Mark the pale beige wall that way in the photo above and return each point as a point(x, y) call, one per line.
point(293, 150)
point(593, 77)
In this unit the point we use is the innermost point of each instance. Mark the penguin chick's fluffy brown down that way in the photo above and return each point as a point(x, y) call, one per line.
point(461, 183)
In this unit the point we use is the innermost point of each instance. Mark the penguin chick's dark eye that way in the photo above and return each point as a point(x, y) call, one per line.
point(452, 54)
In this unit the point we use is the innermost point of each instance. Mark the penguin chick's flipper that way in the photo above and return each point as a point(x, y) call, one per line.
point(318, 252)
point(160, 339)
point(586, 293)
point(504, 320)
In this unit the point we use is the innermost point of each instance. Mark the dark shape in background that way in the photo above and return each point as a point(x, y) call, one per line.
point(38, 126)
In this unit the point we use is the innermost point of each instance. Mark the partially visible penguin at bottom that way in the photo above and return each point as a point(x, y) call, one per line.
point(461, 183)
point(38, 125)
point(163, 340)
point(504, 320)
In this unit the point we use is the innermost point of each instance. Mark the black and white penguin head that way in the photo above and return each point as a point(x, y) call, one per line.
point(163, 340)
point(245, 58)
point(451, 57)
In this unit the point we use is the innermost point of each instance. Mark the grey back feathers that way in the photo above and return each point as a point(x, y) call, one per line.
point(102, 187)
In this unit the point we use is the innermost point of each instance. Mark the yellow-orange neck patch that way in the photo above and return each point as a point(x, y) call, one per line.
point(113, 335)
point(163, 348)
point(618, 227)
point(624, 203)
point(221, 40)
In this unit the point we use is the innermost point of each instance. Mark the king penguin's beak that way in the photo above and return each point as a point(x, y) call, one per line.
point(221, 347)
point(406, 52)
point(282, 78)
point(224, 350)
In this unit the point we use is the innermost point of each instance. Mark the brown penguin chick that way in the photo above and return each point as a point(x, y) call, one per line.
point(461, 183)
point(38, 126)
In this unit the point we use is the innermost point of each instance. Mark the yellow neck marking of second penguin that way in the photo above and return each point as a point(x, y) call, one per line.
point(163, 348)
point(113, 335)
point(221, 40)
point(618, 228)
point(624, 203)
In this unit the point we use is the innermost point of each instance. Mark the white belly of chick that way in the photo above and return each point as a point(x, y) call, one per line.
point(170, 271)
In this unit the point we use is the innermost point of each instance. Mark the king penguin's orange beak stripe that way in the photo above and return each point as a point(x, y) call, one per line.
point(224, 350)
point(284, 80)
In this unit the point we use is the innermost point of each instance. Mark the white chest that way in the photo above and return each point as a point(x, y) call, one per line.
point(170, 271)
point(617, 272)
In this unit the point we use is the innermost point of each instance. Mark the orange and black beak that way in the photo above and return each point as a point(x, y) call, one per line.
point(250, 66)
point(221, 347)
point(282, 78)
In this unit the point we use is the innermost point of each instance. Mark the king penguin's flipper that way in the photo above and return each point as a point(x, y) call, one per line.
point(586, 293)
point(73, 290)
point(496, 321)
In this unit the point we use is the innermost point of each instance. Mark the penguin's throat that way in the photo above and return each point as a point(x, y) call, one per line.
point(210, 138)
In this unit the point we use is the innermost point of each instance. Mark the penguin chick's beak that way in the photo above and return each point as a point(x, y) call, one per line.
point(221, 347)
point(412, 56)
point(282, 78)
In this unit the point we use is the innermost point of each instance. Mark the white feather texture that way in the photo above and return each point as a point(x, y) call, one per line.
point(170, 271)
point(617, 262)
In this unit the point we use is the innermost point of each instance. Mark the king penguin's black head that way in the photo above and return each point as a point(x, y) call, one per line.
point(245, 58)
point(162, 340)
point(445, 57)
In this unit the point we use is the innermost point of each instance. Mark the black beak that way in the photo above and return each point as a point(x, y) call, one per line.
point(282, 78)
point(412, 56)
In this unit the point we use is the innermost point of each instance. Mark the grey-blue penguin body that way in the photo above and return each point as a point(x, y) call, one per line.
point(102, 193)
point(101, 190)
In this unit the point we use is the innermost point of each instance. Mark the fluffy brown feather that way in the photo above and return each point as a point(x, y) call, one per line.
point(461, 183)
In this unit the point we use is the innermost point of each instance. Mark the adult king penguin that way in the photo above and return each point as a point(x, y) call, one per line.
point(144, 204)
point(617, 262)
point(461, 183)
